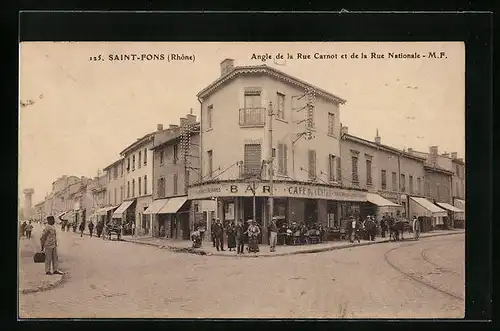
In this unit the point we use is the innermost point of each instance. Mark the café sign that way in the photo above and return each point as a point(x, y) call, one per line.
point(281, 190)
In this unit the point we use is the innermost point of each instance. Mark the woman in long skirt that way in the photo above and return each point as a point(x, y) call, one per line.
point(253, 237)
point(231, 237)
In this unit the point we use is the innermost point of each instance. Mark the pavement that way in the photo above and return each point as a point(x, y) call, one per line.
point(207, 248)
point(116, 279)
point(32, 277)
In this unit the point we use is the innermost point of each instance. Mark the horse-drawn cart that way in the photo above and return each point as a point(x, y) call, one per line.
point(112, 228)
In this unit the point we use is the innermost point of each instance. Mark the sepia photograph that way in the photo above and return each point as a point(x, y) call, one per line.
point(242, 180)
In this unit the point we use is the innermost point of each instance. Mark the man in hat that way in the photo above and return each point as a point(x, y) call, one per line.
point(273, 234)
point(370, 228)
point(219, 233)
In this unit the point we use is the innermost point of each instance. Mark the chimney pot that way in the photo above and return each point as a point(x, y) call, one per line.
point(226, 66)
point(159, 127)
point(454, 155)
point(410, 150)
point(173, 126)
point(433, 150)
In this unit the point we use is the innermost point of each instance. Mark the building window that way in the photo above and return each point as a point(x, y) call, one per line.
point(121, 169)
point(368, 172)
point(128, 164)
point(161, 187)
point(210, 163)
point(114, 200)
point(115, 171)
point(394, 182)
point(383, 175)
point(161, 156)
point(331, 168)
point(128, 189)
point(418, 191)
point(133, 187)
point(133, 162)
point(176, 153)
point(252, 159)
point(121, 193)
point(312, 164)
point(403, 183)
point(145, 184)
point(139, 160)
point(175, 184)
point(140, 186)
point(280, 106)
point(331, 124)
point(109, 175)
point(145, 156)
point(253, 99)
point(210, 110)
point(339, 170)
point(410, 184)
point(355, 177)
point(282, 159)
point(457, 170)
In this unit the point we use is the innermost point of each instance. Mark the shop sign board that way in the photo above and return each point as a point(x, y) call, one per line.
point(281, 190)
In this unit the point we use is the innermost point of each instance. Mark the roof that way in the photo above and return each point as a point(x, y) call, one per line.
point(112, 164)
point(265, 70)
point(138, 142)
point(437, 169)
point(382, 147)
point(170, 140)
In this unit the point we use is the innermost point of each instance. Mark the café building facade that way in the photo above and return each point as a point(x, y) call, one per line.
point(242, 146)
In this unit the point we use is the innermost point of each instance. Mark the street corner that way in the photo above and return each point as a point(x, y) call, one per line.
point(42, 282)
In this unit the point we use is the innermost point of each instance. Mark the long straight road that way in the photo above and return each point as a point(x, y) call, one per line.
point(107, 279)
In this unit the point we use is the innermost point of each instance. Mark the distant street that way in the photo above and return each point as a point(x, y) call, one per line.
point(422, 279)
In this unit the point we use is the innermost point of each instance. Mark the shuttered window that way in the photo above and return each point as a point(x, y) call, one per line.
point(384, 179)
point(331, 124)
point(175, 184)
point(394, 182)
point(419, 190)
point(368, 172)
point(355, 178)
point(210, 163)
point(161, 187)
point(210, 110)
point(140, 185)
point(282, 159)
point(410, 183)
point(339, 170)
point(331, 168)
point(312, 164)
point(252, 159)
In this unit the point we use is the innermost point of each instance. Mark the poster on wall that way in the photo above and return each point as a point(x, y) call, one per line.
point(229, 211)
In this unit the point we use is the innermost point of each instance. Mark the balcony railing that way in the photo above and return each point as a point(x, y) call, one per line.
point(250, 172)
point(253, 116)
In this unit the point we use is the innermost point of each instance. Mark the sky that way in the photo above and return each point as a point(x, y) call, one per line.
point(82, 113)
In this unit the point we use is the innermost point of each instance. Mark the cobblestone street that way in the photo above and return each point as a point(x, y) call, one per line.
point(423, 279)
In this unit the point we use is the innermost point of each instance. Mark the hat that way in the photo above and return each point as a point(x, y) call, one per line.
point(249, 221)
point(350, 217)
point(274, 218)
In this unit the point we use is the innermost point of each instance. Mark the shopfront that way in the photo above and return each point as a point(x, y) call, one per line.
point(430, 216)
point(293, 201)
point(378, 206)
point(454, 214)
point(125, 214)
point(170, 217)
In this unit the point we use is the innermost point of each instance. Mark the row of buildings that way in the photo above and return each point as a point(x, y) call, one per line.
point(265, 143)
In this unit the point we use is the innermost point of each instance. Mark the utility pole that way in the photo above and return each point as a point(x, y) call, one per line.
point(271, 171)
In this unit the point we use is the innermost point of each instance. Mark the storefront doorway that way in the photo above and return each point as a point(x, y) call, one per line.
point(310, 211)
point(248, 209)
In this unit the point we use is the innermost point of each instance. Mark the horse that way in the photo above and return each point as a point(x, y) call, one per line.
point(395, 229)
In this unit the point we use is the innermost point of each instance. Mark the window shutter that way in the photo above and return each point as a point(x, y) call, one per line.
point(339, 170)
point(285, 162)
point(253, 155)
point(280, 158)
point(312, 164)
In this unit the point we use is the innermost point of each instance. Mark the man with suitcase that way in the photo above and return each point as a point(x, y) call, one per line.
point(48, 242)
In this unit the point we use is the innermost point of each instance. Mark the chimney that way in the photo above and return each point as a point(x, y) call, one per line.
point(191, 118)
point(344, 130)
point(173, 126)
point(446, 155)
point(433, 150)
point(454, 155)
point(433, 153)
point(410, 150)
point(183, 121)
point(226, 66)
point(159, 127)
point(377, 138)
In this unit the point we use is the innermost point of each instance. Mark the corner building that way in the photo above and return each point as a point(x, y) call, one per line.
point(235, 148)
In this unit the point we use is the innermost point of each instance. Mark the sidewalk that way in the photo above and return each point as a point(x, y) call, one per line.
point(208, 249)
point(32, 277)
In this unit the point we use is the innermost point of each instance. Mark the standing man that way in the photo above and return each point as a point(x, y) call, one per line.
point(370, 228)
point(240, 237)
point(273, 234)
point(82, 228)
point(29, 228)
point(416, 227)
point(91, 228)
point(218, 233)
point(383, 225)
point(48, 242)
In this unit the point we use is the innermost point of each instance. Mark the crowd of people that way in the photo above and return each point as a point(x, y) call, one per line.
point(354, 229)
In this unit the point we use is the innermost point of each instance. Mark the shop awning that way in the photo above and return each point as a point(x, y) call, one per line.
point(172, 205)
point(449, 207)
point(123, 207)
point(380, 201)
point(104, 211)
point(156, 206)
point(428, 207)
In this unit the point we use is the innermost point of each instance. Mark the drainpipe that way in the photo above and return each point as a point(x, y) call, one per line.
point(208, 232)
